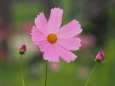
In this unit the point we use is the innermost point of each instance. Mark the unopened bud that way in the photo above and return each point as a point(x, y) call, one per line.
point(22, 49)
point(100, 56)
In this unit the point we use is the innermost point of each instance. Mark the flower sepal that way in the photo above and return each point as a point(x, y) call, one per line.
point(100, 61)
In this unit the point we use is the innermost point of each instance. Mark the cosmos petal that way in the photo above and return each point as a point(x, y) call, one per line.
point(43, 45)
point(65, 54)
point(37, 35)
point(50, 54)
point(70, 43)
point(41, 23)
point(55, 20)
point(70, 30)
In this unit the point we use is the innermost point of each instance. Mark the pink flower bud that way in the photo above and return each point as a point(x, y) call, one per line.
point(100, 56)
point(22, 49)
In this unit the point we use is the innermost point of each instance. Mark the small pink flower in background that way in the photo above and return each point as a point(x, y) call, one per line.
point(1, 84)
point(2, 54)
point(54, 66)
point(87, 41)
point(54, 41)
point(22, 49)
point(100, 56)
point(27, 27)
point(83, 72)
point(3, 34)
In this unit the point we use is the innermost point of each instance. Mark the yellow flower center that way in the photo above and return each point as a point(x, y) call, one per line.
point(52, 38)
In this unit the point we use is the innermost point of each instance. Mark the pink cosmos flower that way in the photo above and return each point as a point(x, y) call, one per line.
point(54, 41)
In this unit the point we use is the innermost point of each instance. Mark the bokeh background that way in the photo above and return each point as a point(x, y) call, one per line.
point(97, 18)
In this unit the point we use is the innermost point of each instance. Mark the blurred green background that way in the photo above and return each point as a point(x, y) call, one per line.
point(97, 19)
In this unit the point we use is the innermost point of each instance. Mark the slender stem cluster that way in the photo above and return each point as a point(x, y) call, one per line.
point(46, 74)
point(21, 70)
point(91, 74)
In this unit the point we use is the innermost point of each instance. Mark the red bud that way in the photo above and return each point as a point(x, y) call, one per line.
point(22, 49)
point(100, 56)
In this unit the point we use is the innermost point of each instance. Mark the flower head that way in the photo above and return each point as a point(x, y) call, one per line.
point(100, 56)
point(22, 49)
point(54, 41)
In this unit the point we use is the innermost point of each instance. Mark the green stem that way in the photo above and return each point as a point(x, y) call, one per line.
point(46, 74)
point(91, 74)
point(21, 71)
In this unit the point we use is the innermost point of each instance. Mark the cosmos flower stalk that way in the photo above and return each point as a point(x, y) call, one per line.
point(22, 50)
point(55, 41)
point(99, 58)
